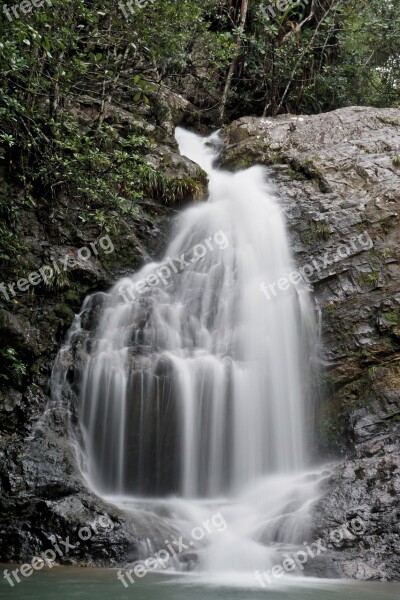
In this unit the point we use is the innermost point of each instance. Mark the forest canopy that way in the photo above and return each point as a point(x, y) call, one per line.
point(251, 56)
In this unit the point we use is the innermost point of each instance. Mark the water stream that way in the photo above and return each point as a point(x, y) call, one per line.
point(193, 388)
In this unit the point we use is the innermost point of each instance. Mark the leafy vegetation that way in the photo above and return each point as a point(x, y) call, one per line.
point(71, 69)
point(310, 57)
point(314, 56)
point(12, 368)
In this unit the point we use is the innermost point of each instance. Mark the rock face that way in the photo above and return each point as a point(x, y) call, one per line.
point(43, 500)
point(338, 178)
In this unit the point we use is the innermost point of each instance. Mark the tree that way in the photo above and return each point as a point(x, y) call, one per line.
point(243, 16)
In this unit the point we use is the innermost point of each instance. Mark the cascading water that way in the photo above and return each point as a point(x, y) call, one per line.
point(191, 384)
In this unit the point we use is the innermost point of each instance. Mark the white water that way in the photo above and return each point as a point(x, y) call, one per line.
point(197, 388)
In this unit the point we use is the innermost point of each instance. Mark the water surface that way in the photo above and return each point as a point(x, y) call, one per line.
point(102, 584)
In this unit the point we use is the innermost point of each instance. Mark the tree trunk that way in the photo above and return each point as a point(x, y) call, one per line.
point(243, 16)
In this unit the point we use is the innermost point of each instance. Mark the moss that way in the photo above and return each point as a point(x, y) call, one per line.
point(329, 380)
point(307, 237)
point(310, 170)
point(239, 157)
point(275, 157)
point(386, 223)
point(64, 312)
point(360, 227)
point(51, 318)
point(332, 424)
point(368, 279)
point(34, 370)
point(392, 317)
point(317, 231)
point(310, 167)
point(237, 161)
point(390, 344)
point(166, 160)
point(330, 310)
point(396, 161)
point(294, 175)
point(73, 296)
point(335, 410)
point(355, 394)
point(381, 254)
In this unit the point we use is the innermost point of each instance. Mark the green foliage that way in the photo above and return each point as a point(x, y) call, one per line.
point(11, 248)
point(317, 56)
point(12, 368)
point(330, 311)
point(392, 317)
point(323, 230)
point(82, 164)
point(174, 191)
point(369, 40)
point(57, 281)
point(309, 58)
point(386, 223)
point(368, 280)
point(57, 56)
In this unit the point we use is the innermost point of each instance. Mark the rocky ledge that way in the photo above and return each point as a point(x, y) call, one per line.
point(338, 178)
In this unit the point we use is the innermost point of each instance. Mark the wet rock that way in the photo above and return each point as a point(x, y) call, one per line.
point(336, 181)
point(43, 497)
point(18, 332)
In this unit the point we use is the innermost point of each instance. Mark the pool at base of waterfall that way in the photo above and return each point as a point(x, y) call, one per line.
point(102, 584)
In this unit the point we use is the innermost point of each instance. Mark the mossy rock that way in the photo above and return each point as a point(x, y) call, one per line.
point(64, 312)
point(235, 158)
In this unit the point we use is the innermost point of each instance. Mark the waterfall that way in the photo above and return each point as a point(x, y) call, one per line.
point(190, 383)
